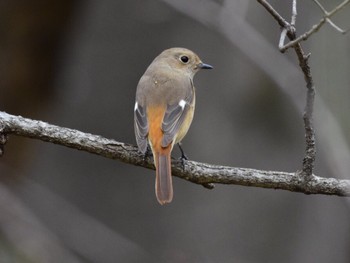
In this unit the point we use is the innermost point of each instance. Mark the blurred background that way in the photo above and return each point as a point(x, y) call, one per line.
point(77, 64)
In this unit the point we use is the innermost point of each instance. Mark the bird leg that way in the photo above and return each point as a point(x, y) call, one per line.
point(148, 153)
point(183, 156)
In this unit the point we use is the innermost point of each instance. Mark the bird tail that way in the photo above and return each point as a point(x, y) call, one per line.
point(164, 184)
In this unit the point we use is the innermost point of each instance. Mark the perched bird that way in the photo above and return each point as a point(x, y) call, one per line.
point(165, 101)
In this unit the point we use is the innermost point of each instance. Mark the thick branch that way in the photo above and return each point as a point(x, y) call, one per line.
point(199, 173)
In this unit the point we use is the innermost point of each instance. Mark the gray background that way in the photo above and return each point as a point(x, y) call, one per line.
point(77, 64)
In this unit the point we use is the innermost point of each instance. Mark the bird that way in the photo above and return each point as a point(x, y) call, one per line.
point(163, 111)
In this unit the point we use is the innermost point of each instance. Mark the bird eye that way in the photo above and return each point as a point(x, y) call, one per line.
point(184, 59)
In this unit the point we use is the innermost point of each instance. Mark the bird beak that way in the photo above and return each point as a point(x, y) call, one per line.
point(204, 66)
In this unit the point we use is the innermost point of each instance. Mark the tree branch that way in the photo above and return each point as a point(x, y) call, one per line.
point(196, 172)
point(289, 30)
point(328, 14)
point(296, 40)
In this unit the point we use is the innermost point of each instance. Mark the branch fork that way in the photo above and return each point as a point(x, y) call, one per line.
point(289, 29)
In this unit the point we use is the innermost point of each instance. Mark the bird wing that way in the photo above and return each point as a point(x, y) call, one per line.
point(141, 127)
point(177, 94)
point(177, 109)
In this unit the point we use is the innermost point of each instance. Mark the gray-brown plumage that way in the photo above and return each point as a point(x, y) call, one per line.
point(165, 101)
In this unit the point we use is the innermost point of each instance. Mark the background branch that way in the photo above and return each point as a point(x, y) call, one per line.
point(313, 29)
point(196, 172)
point(310, 151)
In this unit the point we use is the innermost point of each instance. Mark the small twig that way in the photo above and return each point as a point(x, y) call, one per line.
point(326, 13)
point(282, 38)
point(199, 173)
point(290, 27)
point(340, 30)
point(294, 13)
point(320, 6)
point(337, 8)
point(304, 36)
point(281, 21)
point(314, 28)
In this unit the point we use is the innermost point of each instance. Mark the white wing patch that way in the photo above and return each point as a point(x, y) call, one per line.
point(136, 106)
point(182, 104)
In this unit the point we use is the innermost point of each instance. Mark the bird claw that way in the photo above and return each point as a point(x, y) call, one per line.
point(147, 154)
point(183, 157)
